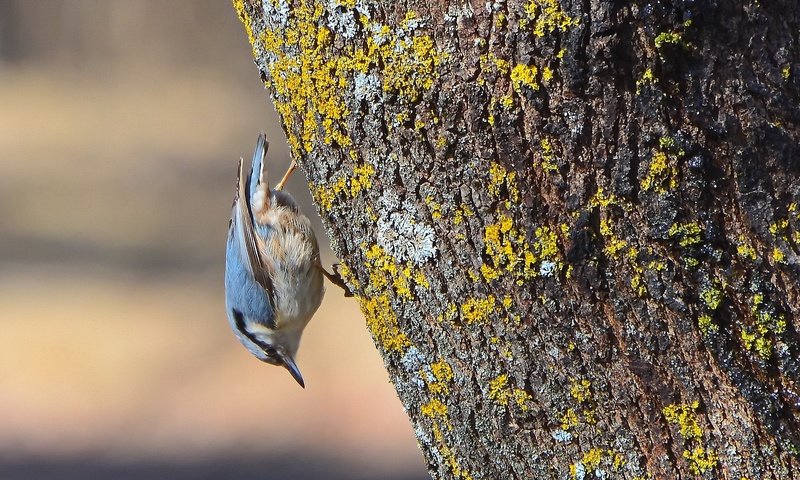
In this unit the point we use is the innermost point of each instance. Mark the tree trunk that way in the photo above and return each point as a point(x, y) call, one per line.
point(573, 227)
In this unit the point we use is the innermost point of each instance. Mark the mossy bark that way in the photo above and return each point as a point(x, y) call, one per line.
point(573, 227)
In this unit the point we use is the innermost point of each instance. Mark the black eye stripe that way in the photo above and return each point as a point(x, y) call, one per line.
point(238, 318)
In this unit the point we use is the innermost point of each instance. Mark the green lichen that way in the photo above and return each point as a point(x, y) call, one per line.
point(669, 38)
point(712, 297)
point(687, 234)
point(745, 250)
point(767, 324)
point(706, 325)
point(646, 79)
point(548, 158)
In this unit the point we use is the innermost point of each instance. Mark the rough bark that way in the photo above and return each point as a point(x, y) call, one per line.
point(573, 226)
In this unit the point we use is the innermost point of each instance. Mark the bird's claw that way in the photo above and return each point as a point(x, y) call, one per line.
point(337, 279)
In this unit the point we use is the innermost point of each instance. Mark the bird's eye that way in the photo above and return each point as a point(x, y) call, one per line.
point(241, 326)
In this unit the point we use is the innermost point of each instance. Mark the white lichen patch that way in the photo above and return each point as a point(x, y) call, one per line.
point(561, 436)
point(547, 268)
point(494, 6)
point(405, 238)
point(367, 87)
point(455, 11)
point(412, 362)
point(276, 12)
point(580, 471)
point(341, 20)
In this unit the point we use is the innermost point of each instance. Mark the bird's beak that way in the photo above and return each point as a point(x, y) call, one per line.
point(288, 363)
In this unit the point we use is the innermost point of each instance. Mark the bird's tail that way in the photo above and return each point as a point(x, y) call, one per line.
point(257, 173)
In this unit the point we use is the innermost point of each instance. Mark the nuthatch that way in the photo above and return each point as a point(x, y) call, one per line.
point(273, 274)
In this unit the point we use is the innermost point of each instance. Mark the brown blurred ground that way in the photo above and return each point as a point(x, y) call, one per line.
point(120, 126)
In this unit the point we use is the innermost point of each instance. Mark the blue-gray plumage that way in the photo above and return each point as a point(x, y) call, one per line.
point(273, 274)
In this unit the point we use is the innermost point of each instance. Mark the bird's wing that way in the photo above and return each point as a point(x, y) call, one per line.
point(249, 246)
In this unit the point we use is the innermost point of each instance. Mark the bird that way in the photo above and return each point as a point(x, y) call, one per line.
point(273, 274)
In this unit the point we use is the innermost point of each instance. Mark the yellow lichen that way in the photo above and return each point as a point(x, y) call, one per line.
point(435, 208)
point(712, 297)
point(683, 415)
point(309, 67)
point(600, 199)
point(591, 459)
point(382, 323)
point(361, 179)
point(347, 275)
point(247, 22)
point(501, 179)
point(498, 390)
point(510, 253)
point(580, 390)
point(461, 213)
point(745, 250)
point(548, 156)
point(700, 460)
point(777, 228)
point(647, 79)
point(444, 375)
point(546, 16)
point(521, 397)
point(664, 38)
point(447, 454)
point(475, 310)
point(705, 325)
point(569, 420)
point(662, 173)
point(687, 234)
point(385, 271)
point(613, 244)
point(434, 408)
point(410, 65)
point(766, 323)
point(524, 75)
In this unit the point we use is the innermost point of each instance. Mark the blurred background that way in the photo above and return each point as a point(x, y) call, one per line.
point(121, 123)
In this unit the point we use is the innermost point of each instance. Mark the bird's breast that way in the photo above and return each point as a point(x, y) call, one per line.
point(297, 279)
